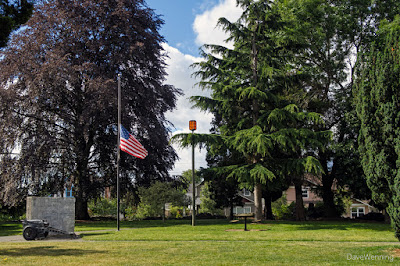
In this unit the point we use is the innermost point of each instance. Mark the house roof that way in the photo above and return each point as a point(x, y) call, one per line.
point(362, 202)
point(315, 180)
point(246, 198)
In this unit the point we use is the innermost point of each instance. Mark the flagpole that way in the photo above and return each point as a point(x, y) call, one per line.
point(118, 144)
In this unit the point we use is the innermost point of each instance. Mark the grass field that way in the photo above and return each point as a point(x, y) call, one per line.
point(210, 242)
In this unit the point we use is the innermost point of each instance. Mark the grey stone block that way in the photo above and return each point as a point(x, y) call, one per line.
point(59, 212)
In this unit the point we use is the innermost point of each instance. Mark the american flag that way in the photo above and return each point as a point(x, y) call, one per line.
point(130, 145)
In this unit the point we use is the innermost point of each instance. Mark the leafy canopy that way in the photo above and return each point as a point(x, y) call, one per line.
point(58, 99)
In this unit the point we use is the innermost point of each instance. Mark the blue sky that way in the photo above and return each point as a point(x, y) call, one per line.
point(188, 25)
point(178, 16)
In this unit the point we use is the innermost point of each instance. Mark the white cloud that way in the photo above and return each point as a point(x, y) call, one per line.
point(179, 75)
point(205, 24)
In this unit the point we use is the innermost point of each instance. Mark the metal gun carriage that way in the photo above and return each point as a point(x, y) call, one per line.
point(40, 229)
point(35, 229)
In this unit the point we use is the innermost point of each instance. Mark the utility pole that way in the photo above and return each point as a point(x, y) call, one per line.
point(192, 127)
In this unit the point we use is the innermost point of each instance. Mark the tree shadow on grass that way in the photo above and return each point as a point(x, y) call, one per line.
point(10, 228)
point(323, 227)
point(338, 225)
point(82, 235)
point(91, 225)
point(46, 251)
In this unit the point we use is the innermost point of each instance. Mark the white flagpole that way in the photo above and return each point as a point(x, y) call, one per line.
point(118, 144)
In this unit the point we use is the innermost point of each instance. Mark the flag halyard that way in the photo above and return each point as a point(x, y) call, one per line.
point(130, 145)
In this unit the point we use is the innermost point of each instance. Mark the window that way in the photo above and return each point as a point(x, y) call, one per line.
point(241, 210)
point(305, 192)
point(357, 212)
point(246, 192)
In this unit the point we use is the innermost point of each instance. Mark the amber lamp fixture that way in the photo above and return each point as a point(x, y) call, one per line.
point(192, 125)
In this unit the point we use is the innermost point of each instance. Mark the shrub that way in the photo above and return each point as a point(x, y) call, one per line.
point(281, 210)
point(145, 211)
point(130, 212)
point(103, 207)
point(284, 211)
point(4, 217)
point(372, 216)
point(315, 212)
point(154, 198)
point(176, 212)
point(12, 214)
point(207, 205)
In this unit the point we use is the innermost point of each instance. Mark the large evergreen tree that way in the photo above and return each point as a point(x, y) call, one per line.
point(58, 99)
point(378, 108)
point(272, 136)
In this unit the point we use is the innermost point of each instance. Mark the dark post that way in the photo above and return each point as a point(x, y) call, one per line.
point(118, 144)
point(192, 127)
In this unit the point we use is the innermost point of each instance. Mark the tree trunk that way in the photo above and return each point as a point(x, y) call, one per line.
point(163, 213)
point(386, 216)
point(300, 212)
point(81, 180)
point(255, 114)
point(268, 208)
point(81, 210)
point(258, 202)
point(327, 179)
point(231, 211)
point(328, 196)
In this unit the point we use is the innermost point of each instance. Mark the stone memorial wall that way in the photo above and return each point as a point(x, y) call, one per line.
point(59, 212)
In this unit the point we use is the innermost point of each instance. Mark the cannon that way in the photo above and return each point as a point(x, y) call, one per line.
point(40, 229)
point(35, 229)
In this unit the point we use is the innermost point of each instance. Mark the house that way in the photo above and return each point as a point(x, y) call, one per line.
point(357, 208)
point(189, 194)
point(247, 201)
point(308, 192)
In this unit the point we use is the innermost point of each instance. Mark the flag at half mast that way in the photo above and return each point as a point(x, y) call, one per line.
point(130, 145)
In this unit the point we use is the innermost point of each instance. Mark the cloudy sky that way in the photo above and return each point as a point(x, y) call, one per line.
point(188, 25)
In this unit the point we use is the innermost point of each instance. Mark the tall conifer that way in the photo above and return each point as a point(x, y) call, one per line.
point(273, 136)
point(378, 108)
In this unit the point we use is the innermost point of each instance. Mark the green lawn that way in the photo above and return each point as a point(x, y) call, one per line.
point(10, 228)
point(222, 230)
point(211, 242)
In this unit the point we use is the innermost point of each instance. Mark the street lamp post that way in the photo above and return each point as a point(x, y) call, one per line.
point(118, 149)
point(193, 127)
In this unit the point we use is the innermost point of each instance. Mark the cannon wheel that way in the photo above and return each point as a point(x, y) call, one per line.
point(29, 233)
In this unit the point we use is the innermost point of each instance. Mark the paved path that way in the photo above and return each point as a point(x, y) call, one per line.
point(11, 238)
point(20, 238)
